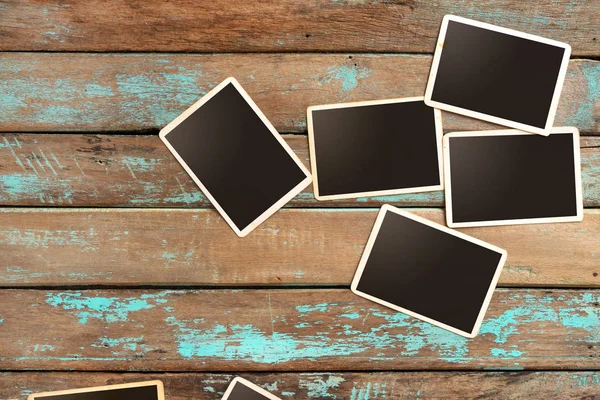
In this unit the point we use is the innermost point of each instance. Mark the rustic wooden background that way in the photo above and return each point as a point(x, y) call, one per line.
point(115, 268)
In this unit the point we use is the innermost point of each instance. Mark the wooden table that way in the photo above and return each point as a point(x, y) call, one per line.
point(114, 267)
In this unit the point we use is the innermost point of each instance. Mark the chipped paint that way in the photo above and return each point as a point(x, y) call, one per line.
point(251, 343)
point(307, 308)
point(320, 386)
point(348, 76)
point(169, 94)
point(107, 309)
point(132, 344)
point(141, 164)
point(85, 240)
point(18, 274)
point(583, 118)
point(43, 348)
point(501, 353)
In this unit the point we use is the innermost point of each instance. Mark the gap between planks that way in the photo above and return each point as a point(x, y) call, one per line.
point(382, 385)
point(97, 170)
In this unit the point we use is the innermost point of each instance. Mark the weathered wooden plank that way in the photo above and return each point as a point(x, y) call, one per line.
point(138, 171)
point(318, 25)
point(283, 330)
point(293, 247)
point(337, 385)
point(95, 92)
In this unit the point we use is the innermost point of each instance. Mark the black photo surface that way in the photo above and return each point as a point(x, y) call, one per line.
point(243, 392)
point(499, 75)
point(511, 178)
point(241, 389)
point(375, 148)
point(428, 271)
point(132, 392)
point(238, 160)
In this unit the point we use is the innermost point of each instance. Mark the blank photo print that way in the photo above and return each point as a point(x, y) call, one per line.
point(428, 271)
point(236, 157)
point(375, 148)
point(151, 390)
point(512, 177)
point(241, 389)
point(497, 74)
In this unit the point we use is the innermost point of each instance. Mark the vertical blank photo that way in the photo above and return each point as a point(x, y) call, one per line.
point(375, 148)
point(428, 271)
point(496, 74)
point(512, 177)
point(241, 389)
point(236, 157)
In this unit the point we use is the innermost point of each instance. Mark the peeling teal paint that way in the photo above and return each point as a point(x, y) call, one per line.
point(583, 317)
point(170, 94)
point(506, 324)
point(501, 353)
point(306, 309)
point(141, 164)
point(350, 315)
point(319, 387)
point(583, 117)
point(247, 342)
point(18, 274)
point(95, 90)
point(41, 238)
point(348, 76)
point(107, 309)
point(589, 379)
point(134, 344)
point(43, 348)
point(17, 186)
point(168, 256)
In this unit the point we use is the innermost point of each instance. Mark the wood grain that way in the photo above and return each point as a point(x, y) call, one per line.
point(283, 330)
point(336, 385)
point(138, 171)
point(119, 92)
point(278, 25)
point(293, 247)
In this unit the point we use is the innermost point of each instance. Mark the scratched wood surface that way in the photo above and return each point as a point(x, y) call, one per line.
point(42, 246)
point(340, 385)
point(279, 330)
point(278, 26)
point(138, 171)
point(92, 295)
point(116, 92)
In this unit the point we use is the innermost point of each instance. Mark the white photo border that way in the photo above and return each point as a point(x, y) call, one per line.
point(513, 132)
point(313, 154)
point(250, 385)
point(486, 117)
point(273, 208)
point(369, 247)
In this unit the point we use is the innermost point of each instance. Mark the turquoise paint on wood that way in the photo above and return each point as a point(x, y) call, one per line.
point(348, 76)
point(591, 74)
point(107, 309)
point(141, 91)
point(327, 330)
